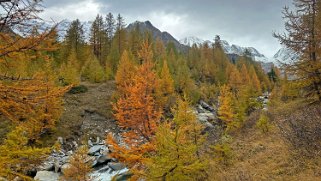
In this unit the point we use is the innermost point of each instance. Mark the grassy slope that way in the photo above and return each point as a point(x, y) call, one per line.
point(268, 156)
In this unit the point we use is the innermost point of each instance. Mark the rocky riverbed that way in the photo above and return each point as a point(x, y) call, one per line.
point(104, 166)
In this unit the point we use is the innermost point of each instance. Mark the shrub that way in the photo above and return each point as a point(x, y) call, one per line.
point(223, 151)
point(78, 89)
point(263, 123)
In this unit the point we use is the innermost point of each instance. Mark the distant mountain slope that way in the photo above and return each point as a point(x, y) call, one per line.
point(182, 45)
point(191, 40)
point(232, 50)
point(285, 55)
point(156, 33)
point(143, 27)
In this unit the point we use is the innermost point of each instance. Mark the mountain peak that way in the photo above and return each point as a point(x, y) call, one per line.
point(148, 23)
point(156, 33)
point(191, 40)
point(229, 49)
point(285, 55)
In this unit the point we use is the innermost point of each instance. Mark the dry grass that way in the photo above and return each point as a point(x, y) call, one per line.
point(270, 156)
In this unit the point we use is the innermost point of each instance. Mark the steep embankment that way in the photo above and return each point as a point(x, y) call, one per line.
point(87, 114)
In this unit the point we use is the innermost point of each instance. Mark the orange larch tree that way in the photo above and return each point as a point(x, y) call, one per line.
point(137, 113)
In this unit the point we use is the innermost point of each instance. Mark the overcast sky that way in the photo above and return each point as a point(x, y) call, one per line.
point(241, 22)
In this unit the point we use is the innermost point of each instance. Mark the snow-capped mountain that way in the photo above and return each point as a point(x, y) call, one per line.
point(64, 25)
point(285, 55)
point(46, 25)
point(228, 49)
point(191, 40)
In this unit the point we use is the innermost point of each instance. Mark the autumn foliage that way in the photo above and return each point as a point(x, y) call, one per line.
point(136, 111)
point(178, 144)
point(225, 110)
point(79, 166)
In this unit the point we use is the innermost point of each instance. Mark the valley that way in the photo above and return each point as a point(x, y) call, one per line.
point(88, 94)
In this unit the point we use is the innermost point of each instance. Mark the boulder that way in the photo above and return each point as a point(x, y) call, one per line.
point(102, 159)
point(46, 166)
point(46, 176)
point(116, 166)
point(64, 167)
point(206, 106)
point(96, 148)
point(90, 143)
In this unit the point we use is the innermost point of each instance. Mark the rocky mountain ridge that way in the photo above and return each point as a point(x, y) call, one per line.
point(233, 50)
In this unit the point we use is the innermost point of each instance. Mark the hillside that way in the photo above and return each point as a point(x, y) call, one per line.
point(274, 155)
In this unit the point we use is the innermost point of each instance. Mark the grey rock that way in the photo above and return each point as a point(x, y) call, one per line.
point(75, 144)
point(70, 152)
point(104, 169)
point(97, 154)
point(64, 167)
point(100, 160)
point(46, 176)
point(202, 118)
point(206, 106)
point(65, 159)
point(57, 166)
point(90, 143)
point(200, 109)
point(97, 141)
point(116, 166)
point(103, 159)
point(46, 166)
point(60, 140)
point(96, 148)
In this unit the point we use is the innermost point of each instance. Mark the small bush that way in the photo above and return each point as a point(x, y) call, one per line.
point(263, 123)
point(78, 89)
point(223, 151)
